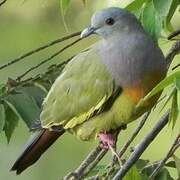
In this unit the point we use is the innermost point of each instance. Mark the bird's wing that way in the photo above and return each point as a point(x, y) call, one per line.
point(78, 93)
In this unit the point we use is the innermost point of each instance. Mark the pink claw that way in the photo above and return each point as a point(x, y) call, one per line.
point(106, 140)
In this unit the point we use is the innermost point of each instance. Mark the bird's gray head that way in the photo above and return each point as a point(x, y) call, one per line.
point(110, 21)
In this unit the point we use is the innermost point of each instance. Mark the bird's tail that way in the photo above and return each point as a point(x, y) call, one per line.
point(36, 146)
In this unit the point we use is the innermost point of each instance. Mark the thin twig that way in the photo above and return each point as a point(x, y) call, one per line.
point(172, 35)
point(1, 3)
point(39, 49)
point(176, 66)
point(170, 153)
point(134, 134)
point(175, 50)
point(87, 161)
point(142, 147)
point(48, 59)
point(94, 163)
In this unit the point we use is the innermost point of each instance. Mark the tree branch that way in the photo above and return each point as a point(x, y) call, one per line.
point(134, 134)
point(142, 147)
point(39, 49)
point(172, 35)
point(170, 153)
point(110, 167)
point(1, 3)
point(48, 59)
point(175, 50)
point(94, 163)
point(81, 170)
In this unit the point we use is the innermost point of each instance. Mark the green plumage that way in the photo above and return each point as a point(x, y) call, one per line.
point(79, 93)
point(82, 88)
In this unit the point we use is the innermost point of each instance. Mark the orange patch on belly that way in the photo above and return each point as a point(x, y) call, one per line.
point(142, 88)
point(135, 93)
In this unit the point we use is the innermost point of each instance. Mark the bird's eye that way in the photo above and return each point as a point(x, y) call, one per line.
point(110, 21)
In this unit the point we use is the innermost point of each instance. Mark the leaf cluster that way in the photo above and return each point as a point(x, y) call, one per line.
point(140, 171)
point(23, 100)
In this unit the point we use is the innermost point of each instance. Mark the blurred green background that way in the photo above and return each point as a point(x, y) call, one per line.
point(27, 24)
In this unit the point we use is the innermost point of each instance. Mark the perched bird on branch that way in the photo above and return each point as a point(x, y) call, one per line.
point(98, 90)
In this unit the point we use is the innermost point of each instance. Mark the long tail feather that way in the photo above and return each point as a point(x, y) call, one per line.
point(40, 142)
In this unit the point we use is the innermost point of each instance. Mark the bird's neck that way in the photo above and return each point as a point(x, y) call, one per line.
point(126, 56)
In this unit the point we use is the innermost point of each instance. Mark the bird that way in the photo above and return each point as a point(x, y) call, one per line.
point(99, 89)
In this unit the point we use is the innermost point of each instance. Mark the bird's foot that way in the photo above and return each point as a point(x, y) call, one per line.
point(107, 140)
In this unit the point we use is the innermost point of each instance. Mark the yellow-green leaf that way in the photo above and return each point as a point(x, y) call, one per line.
point(174, 112)
point(151, 21)
point(168, 98)
point(133, 174)
point(173, 8)
point(164, 83)
point(2, 117)
point(177, 162)
point(178, 100)
point(178, 83)
point(135, 5)
point(11, 120)
point(25, 107)
point(162, 6)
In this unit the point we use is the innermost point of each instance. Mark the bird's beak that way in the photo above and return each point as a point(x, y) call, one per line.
point(87, 32)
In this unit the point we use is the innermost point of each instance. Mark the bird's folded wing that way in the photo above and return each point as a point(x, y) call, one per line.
point(78, 93)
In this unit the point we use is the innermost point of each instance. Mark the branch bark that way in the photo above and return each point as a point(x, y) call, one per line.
point(175, 50)
point(134, 134)
point(1, 3)
point(142, 147)
point(170, 153)
point(48, 59)
point(89, 162)
point(20, 58)
point(172, 35)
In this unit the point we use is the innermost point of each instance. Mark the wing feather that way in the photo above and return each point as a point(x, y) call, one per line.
point(83, 87)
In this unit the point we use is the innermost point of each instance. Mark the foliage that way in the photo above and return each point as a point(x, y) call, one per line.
point(140, 171)
point(22, 100)
point(155, 15)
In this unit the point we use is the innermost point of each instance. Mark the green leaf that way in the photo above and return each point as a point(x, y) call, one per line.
point(178, 100)
point(169, 96)
point(3, 89)
point(64, 6)
point(135, 5)
point(177, 82)
point(133, 174)
point(2, 117)
point(96, 170)
point(178, 93)
point(141, 163)
point(172, 10)
point(174, 112)
point(177, 162)
point(11, 120)
point(151, 21)
point(171, 164)
point(164, 83)
point(36, 92)
point(162, 6)
point(25, 106)
point(163, 175)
